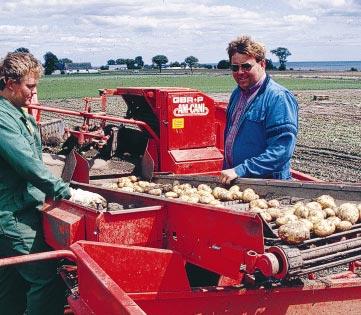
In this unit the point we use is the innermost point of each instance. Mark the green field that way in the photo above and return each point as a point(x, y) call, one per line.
point(77, 86)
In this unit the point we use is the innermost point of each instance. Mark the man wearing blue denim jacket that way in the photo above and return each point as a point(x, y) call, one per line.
point(262, 118)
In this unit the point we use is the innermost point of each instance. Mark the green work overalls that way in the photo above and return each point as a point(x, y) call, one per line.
point(24, 182)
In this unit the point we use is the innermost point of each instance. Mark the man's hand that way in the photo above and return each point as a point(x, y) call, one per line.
point(228, 175)
point(88, 199)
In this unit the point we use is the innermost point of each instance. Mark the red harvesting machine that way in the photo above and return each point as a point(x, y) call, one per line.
point(171, 130)
point(154, 255)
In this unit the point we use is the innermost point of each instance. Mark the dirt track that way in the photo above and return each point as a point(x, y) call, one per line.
point(329, 145)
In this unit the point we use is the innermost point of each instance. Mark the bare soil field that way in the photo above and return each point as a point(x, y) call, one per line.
point(329, 141)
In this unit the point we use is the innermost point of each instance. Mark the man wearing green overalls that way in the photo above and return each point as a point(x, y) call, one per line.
point(24, 183)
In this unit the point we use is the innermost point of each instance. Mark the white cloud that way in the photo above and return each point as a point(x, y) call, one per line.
point(299, 19)
point(98, 30)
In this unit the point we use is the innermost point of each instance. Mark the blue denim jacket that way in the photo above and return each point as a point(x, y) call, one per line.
point(267, 133)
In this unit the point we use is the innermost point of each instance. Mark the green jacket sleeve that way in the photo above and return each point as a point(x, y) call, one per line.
point(17, 148)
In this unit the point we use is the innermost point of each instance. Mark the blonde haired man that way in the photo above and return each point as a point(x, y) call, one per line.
point(24, 182)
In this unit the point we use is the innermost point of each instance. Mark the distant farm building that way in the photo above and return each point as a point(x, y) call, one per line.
point(117, 67)
point(79, 67)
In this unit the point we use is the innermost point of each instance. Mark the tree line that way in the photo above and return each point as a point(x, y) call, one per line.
point(52, 62)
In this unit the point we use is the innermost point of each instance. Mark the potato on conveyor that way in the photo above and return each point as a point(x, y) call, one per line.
point(344, 226)
point(249, 195)
point(171, 194)
point(307, 223)
point(259, 203)
point(294, 232)
point(206, 199)
point(326, 201)
point(273, 203)
point(302, 211)
point(127, 189)
point(324, 228)
point(289, 218)
point(313, 205)
point(316, 217)
point(274, 212)
point(348, 212)
point(334, 220)
point(204, 187)
point(266, 216)
point(222, 194)
point(329, 212)
point(155, 192)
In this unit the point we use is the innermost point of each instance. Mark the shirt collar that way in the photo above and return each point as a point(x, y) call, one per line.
point(255, 87)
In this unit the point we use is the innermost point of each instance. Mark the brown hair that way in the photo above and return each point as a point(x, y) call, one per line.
point(245, 45)
point(16, 65)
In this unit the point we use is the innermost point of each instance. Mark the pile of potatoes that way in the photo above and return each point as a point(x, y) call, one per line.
point(321, 217)
point(296, 223)
point(201, 194)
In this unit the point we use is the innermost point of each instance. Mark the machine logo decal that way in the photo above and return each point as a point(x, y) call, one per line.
point(189, 106)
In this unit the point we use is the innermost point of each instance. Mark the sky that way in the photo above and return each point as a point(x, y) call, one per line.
point(98, 30)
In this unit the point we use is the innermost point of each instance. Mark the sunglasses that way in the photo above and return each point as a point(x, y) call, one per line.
point(244, 66)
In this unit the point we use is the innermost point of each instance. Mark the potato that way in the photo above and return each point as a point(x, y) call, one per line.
point(215, 202)
point(266, 216)
point(316, 217)
point(334, 220)
point(294, 232)
point(320, 213)
point(302, 211)
point(143, 183)
point(273, 203)
point(289, 218)
point(217, 191)
point(193, 198)
point(274, 212)
point(206, 199)
point(344, 226)
point(324, 228)
point(171, 194)
point(138, 189)
point(348, 212)
point(222, 194)
point(234, 188)
point(256, 210)
point(127, 189)
point(259, 203)
point(329, 212)
point(133, 178)
point(326, 201)
point(204, 187)
point(308, 224)
point(155, 191)
point(287, 210)
point(313, 205)
point(166, 187)
point(184, 198)
point(237, 195)
point(249, 195)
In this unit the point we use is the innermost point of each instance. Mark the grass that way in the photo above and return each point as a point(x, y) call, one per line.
point(78, 86)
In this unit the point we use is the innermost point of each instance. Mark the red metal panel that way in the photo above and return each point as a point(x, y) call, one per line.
point(216, 240)
point(148, 269)
point(98, 291)
point(190, 117)
point(63, 226)
point(141, 226)
point(199, 154)
point(278, 301)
